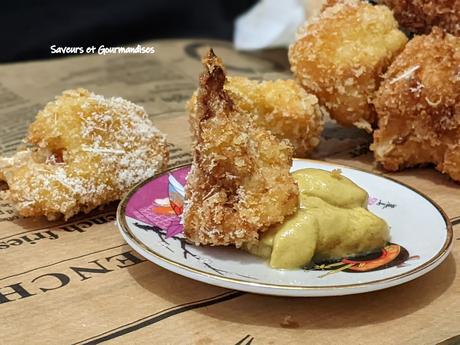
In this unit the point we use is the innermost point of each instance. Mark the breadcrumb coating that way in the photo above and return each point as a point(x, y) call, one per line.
point(420, 16)
point(418, 106)
point(340, 56)
point(85, 151)
point(281, 106)
point(239, 183)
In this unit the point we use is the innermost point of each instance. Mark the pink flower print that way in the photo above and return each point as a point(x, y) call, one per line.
point(372, 201)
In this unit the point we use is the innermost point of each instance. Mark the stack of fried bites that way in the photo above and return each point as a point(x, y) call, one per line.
point(366, 73)
point(351, 62)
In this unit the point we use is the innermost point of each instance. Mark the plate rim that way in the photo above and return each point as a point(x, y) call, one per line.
point(415, 273)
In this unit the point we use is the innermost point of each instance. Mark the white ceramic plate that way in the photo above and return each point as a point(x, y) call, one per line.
point(149, 220)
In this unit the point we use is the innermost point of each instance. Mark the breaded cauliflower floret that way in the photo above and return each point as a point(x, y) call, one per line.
point(85, 151)
point(418, 106)
point(239, 183)
point(281, 106)
point(340, 55)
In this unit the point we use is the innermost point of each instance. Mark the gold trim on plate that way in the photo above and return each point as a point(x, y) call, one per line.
point(121, 220)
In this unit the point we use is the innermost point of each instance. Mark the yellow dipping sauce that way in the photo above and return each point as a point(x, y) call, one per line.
point(332, 222)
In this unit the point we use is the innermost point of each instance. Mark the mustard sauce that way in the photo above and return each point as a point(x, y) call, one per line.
point(332, 222)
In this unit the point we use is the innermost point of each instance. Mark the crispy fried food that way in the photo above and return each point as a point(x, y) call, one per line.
point(85, 151)
point(340, 55)
point(418, 106)
point(420, 16)
point(281, 106)
point(239, 184)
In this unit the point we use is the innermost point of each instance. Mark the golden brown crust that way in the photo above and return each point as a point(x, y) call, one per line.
point(340, 55)
point(86, 151)
point(418, 105)
point(240, 182)
point(281, 106)
point(420, 16)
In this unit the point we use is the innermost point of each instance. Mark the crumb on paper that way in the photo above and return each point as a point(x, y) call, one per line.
point(289, 322)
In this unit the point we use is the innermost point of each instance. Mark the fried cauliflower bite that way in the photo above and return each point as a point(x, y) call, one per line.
point(418, 105)
point(85, 151)
point(420, 16)
point(340, 55)
point(239, 183)
point(281, 106)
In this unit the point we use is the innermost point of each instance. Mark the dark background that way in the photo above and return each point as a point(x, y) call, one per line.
point(29, 28)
